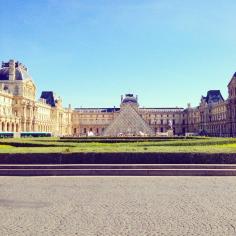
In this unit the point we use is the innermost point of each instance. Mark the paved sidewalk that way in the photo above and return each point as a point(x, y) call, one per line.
point(118, 206)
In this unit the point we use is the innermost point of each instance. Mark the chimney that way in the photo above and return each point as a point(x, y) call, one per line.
point(11, 70)
point(121, 98)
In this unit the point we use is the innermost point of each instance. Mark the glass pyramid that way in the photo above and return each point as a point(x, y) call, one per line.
point(128, 123)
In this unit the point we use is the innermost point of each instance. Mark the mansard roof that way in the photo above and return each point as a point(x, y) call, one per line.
point(213, 96)
point(20, 71)
point(50, 97)
point(233, 78)
point(129, 98)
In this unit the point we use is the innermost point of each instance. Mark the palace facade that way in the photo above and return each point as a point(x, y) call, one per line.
point(20, 111)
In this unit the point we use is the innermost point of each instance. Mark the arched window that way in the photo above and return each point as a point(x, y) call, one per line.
point(17, 128)
point(8, 127)
point(3, 126)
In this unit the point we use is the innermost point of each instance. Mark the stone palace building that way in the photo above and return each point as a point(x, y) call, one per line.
point(21, 112)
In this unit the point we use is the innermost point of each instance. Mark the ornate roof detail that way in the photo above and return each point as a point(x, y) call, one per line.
point(129, 98)
point(13, 71)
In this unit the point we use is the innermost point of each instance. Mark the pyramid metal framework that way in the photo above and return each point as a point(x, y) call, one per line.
point(128, 123)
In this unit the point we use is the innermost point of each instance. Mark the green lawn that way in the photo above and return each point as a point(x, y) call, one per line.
point(48, 145)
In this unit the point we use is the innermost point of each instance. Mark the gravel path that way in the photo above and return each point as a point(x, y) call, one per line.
point(118, 206)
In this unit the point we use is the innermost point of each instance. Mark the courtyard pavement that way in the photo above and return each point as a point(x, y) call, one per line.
point(118, 206)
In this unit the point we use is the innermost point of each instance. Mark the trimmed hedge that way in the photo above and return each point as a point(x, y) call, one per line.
point(113, 140)
point(118, 158)
point(33, 144)
point(99, 139)
point(131, 137)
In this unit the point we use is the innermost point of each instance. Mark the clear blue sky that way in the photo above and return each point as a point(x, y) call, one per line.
point(91, 51)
